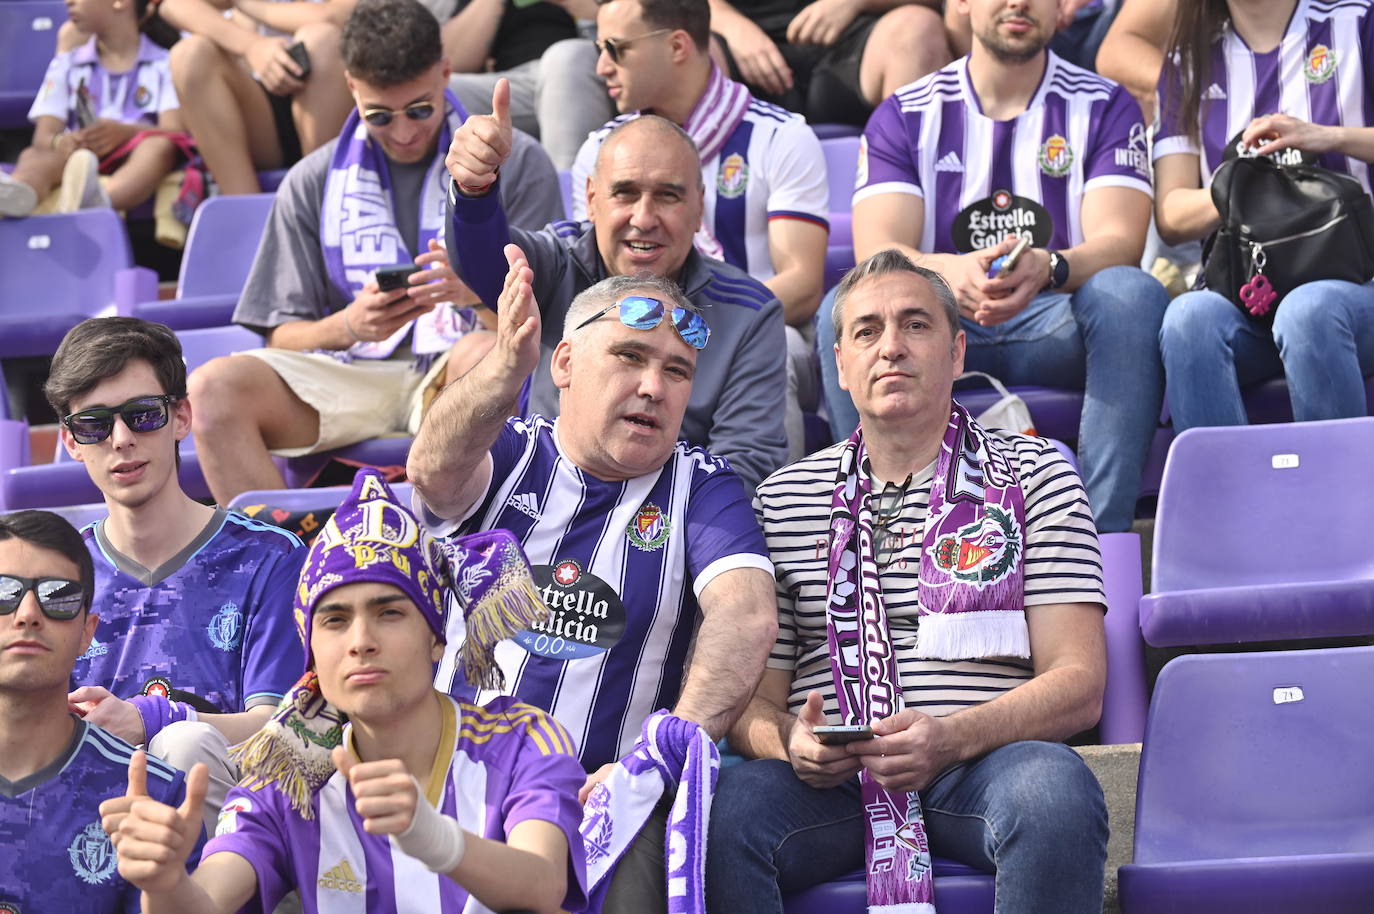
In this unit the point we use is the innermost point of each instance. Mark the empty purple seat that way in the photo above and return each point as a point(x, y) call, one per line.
point(219, 252)
point(959, 889)
point(841, 160)
point(1269, 402)
point(58, 271)
point(1262, 534)
point(1055, 411)
point(1254, 792)
point(28, 40)
point(839, 260)
point(202, 345)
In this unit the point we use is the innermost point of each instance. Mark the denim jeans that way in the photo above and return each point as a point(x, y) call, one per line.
point(1030, 811)
point(1102, 339)
point(1322, 341)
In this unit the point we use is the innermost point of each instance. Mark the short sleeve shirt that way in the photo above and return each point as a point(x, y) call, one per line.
point(136, 96)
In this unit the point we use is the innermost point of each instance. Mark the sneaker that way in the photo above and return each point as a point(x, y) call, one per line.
point(17, 199)
point(81, 187)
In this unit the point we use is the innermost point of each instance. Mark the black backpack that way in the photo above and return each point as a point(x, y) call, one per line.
point(1293, 224)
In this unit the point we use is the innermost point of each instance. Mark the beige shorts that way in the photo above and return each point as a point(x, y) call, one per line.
point(358, 400)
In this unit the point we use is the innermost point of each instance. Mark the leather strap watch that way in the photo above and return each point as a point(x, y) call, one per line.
point(1059, 271)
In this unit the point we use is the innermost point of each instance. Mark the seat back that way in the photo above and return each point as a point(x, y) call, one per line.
point(1265, 504)
point(1257, 755)
point(200, 346)
point(222, 243)
point(841, 161)
point(565, 186)
point(28, 40)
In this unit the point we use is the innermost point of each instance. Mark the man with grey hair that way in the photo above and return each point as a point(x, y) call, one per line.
point(632, 534)
point(645, 204)
point(940, 598)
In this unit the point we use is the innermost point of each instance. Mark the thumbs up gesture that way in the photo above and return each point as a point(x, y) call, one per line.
point(153, 839)
point(384, 793)
point(818, 765)
point(481, 145)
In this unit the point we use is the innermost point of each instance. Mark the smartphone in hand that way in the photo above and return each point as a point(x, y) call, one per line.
point(301, 57)
point(838, 736)
point(1007, 262)
point(394, 277)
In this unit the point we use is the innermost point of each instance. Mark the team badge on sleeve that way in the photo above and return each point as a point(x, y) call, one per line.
point(1320, 64)
point(1056, 156)
point(650, 529)
point(92, 856)
point(733, 177)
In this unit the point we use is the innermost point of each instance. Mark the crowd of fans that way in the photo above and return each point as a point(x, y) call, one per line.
point(510, 691)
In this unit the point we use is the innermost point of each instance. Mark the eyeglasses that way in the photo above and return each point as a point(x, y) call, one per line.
point(612, 47)
point(640, 312)
point(141, 414)
point(59, 598)
point(380, 117)
point(886, 513)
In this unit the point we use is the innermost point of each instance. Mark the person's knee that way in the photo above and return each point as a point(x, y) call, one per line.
point(742, 789)
point(1313, 314)
point(227, 389)
point(1194, 320)
point(192, 60)
point(913, 29)
point(567, 59)
point(187, 743)
point(322, 42)
point(1051, 793)
point(1125, 298)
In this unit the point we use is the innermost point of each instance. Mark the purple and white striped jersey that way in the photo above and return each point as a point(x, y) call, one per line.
point(1318, 73)
point(138, 95)
point(620, 564)
point(983, 179)
point(57, 857)
point(502, 765)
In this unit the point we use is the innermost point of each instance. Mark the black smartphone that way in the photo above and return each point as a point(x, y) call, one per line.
point(838, 736)
point(394, 277)
point(301, 56)
point(85, 111)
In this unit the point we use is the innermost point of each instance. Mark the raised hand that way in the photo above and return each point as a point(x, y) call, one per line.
point(152, 839)
point(517, 317)
point(481, 145)
point(816, 764)
point(384, 793)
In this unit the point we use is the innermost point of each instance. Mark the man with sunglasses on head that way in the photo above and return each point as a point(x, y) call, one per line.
point(347, 360)
point(196, 642)
point(633, 535)
point(644, 203)
point(55, 769)
point(767, 200)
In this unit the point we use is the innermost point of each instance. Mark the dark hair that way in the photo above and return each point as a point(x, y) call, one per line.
point(692, 16)
point(47, 530)
point(390, 42)
point(885, 263)
point(102, 347)
point(153, 25)
point(1197, 25)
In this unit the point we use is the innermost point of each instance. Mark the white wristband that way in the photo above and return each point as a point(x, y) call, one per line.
point(436, 840)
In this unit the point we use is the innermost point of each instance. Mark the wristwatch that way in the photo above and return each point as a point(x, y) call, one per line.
point(1059, 271)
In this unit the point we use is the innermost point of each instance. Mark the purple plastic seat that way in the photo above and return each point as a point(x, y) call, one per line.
point(375, 452)
point(1254, 793)
point(28, 40)
point(839, 260)
point(219, 252)
point(66, 483)
point(1269, 402)
point(308, 499)
point(59, 270)
point(271, 179)
point(1055, 411)
point(202, 345)
point(1262, 534)
point(80, 516)
point(841, 160)
point(831, 131)
point(959, 889)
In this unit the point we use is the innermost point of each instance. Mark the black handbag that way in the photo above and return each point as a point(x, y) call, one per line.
point(1282, 226)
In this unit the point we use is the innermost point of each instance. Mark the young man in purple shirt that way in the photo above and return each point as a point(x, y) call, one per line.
point(419, 803)
point(1013, 142)
point(55, 768)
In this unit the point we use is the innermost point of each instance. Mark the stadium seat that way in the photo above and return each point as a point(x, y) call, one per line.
point(841, 159)
point(1054, 410)
point(1254, 794)
point(308, 499)
point(565, 185)
point(375, 452)
point(219, 252)
point(60, 270)
point(270, 180)
point(831, 131)
point(1262, 534)
point(202, 345)
point(959, 889)
point(65, 482)
point(81, 515)
point(1269, 402)
point(28, 40)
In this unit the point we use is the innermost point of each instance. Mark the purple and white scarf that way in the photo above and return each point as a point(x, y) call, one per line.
point(716, 115)
point(358, 229)
point(671, 752)
point(971, 595)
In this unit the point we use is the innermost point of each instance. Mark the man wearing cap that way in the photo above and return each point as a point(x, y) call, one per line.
point(633, 534)
point(420, 802)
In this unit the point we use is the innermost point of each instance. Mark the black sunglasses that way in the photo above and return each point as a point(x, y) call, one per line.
point(59, 598)
point(612, 47)
point(886, 513)
point(380, 117)
point(141, 414)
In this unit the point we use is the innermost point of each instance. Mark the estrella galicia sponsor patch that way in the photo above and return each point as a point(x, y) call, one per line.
point(1320, 64)
point(1056, 156)
point(650, 528)
point(984, 223)
point(982, 552)
point(226, 628)
point(1236, 149)
point(160, 686)
point(733, 178)
point(586, 616)
point(92, 856)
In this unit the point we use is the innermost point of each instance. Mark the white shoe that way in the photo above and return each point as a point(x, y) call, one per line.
point(81, 188)
point(17, 199)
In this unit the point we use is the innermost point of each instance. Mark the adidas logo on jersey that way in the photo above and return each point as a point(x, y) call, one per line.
point(1214, 91)
point(949, 162)
point(526, 504)
point(341, 879)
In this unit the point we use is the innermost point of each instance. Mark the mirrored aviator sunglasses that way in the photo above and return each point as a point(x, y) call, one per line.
point(141, 414)
point(639, 312)
point(380, 117)
point(59, 598)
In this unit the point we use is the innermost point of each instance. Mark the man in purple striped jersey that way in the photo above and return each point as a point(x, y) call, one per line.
point(1013, 142)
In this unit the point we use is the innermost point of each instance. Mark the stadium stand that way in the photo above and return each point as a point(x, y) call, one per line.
point(28, 38)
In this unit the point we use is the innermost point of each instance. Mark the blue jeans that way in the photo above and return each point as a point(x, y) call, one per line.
point(1322, 341)
point(1104, 340)
point(1032, 812)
